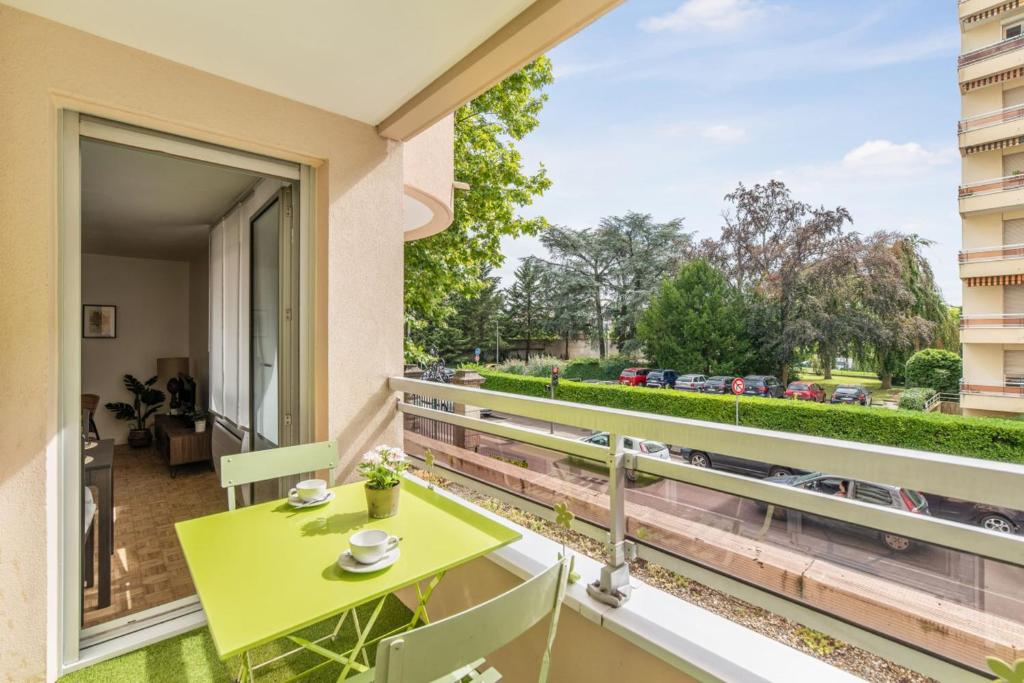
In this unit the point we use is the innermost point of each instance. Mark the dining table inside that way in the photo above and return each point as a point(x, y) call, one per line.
point(267, 571)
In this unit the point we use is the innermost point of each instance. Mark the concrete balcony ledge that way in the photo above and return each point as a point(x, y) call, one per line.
point(689, 639)
point(991, 59)
point(968, 8)
point(989, 196)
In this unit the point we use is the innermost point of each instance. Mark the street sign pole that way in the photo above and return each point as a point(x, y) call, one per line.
point(738, 387)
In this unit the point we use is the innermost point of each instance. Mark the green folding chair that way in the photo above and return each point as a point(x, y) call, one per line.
point(245, 468)
point(452, 650)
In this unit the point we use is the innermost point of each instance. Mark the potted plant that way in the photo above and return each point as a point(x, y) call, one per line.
point(382, 467)
point(147, 401)
point(198, 416)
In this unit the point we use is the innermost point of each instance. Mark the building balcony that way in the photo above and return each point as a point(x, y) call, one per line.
point(991, 59)
point(1003, 259)
point(991, 130)
point(992, 328)
point(996, 194)
point(1006, 397)
point(973, 13)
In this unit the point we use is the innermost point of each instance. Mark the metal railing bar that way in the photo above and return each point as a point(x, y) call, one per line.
point(524, 434)
point(941, 532)
point(880, 644)
point(983, 481)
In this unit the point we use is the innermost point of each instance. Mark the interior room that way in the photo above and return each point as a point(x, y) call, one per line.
point(167, 295)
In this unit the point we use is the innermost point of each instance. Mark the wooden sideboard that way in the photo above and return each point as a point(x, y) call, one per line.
point(180, 444)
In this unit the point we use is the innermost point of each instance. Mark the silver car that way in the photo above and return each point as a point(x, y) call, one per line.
point(631, 444)
point(691, 382)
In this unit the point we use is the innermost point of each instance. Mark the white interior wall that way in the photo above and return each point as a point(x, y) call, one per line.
point(152, 298)
point(199, 323)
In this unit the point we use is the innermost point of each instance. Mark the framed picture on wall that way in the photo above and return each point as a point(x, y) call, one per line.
point(99, 321)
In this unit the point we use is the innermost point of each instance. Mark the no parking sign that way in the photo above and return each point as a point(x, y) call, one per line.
point(738, 386)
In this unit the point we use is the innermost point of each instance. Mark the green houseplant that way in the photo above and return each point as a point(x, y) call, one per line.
point(382, 468)
point(147, 401)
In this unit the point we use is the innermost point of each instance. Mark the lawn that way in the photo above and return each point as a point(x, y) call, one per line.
point(868, 380)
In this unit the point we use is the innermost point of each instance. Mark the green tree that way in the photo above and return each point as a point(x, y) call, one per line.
point(644, 252)
point(936, 369)
point(587, 258)
point(471, 324)
point(566, 307)
point(487, 131)
point(524, 303)
point(696, 321)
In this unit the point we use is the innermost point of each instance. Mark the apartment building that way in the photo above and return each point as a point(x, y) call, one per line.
point(991, 200)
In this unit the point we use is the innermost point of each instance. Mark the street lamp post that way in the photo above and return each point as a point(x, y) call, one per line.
point(497, 356)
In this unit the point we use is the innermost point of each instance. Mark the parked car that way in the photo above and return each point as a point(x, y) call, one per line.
point(631, 444)
point(806, 391)
point(866, 492)
point(661, 379)
point(851, 393)
point(634, 377)
point(730, 463)
point(719, 384)
point(990, 517)
point(766, 386)
point(691, 382)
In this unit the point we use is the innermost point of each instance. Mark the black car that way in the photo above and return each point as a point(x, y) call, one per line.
point(661, 379)
point(719, 384)
point(730, 463)
point(991, 517)
point(885, 495)
point(851, 394)
point(767, 386)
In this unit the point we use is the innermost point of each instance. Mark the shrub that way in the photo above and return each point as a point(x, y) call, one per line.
point(978, 437)
point(915, 398)
point(936, 369)
point(512, 366)
point(596, 368)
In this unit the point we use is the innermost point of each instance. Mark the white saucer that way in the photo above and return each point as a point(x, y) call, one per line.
point(350, 564)
point(298, 504)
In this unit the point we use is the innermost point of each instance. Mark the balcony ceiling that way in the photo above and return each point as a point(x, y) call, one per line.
point(360, 59)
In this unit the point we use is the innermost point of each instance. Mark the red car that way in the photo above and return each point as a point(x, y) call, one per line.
point(634, 377)
point(806, 391)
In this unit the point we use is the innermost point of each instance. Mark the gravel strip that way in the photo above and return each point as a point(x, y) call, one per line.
point(856, 661)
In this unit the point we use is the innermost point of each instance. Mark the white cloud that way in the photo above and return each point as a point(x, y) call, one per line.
point(886, 158)
point(724, 133)
point(712, 15)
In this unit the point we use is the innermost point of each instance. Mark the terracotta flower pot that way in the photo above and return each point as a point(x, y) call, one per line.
point(382, 503)
point(139, 438)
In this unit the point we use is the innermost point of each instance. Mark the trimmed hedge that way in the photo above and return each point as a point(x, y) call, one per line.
point(915, 398)
point(977, 437)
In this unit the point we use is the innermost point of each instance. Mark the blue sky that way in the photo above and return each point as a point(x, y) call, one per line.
point(662, 106)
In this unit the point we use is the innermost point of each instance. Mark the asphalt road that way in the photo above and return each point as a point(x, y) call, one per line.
point(960, 577)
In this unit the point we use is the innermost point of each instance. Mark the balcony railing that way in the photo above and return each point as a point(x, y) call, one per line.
point(921, 612)
point(1012, 387)
point(991, 118)
point(997, 253)
point(1010, 182)
point(991, 320)
point(983, 53)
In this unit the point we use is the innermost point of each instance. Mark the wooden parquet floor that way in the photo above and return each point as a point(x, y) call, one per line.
point(148, 568)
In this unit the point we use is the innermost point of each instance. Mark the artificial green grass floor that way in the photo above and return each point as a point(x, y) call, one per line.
point(191, 656)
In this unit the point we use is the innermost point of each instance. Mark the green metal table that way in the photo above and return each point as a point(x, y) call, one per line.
point(269, 570)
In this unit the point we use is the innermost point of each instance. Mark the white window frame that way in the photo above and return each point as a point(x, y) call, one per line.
point(76, 647)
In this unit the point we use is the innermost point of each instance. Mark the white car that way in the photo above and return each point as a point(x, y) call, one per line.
point(631, 444)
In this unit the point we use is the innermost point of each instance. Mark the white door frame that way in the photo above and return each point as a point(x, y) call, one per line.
point(138, 630)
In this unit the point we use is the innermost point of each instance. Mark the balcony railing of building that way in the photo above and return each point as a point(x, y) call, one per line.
point(991, 118)
point(991, 320)
point(1010, 182)
point(993, 50)
point(935, 612)
point(997, 253)
point(1013, 386)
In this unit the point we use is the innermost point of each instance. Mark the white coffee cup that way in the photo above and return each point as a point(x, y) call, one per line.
point(309, 489)
point(370, 545)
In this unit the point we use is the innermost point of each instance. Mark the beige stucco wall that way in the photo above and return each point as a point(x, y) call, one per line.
point(428, 169)
point(584, 652)
point(359, 215)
